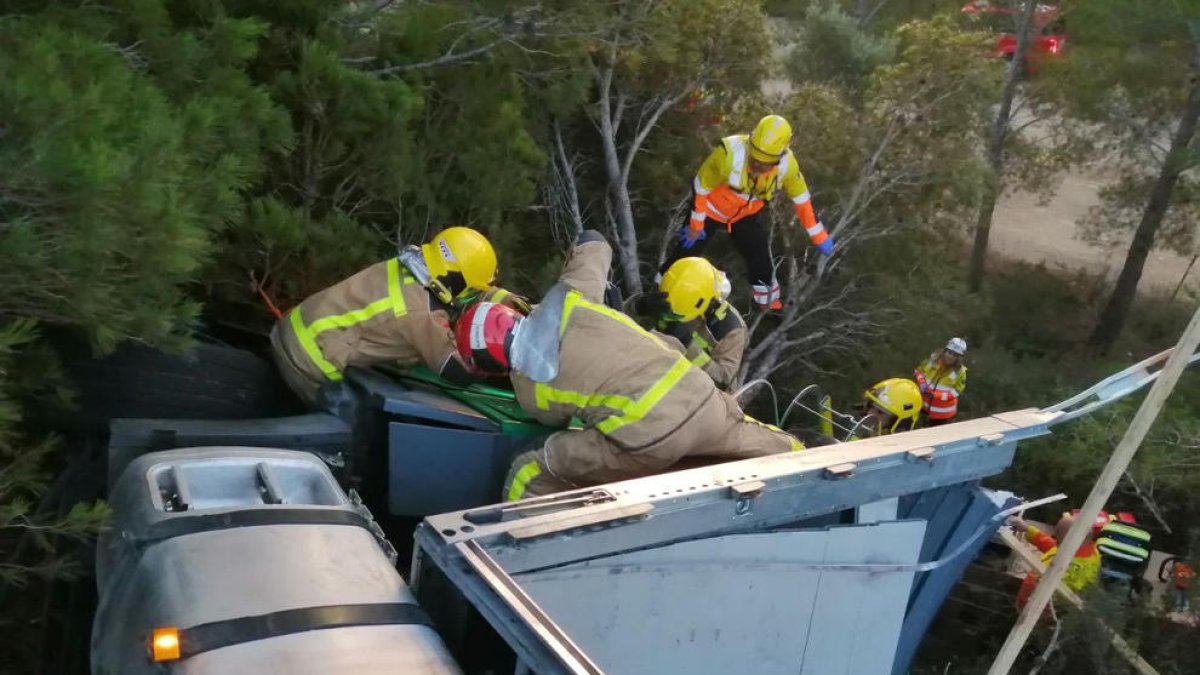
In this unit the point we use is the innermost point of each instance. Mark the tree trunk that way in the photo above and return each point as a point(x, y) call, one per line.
point(1112, 320)
point(995, 156)
point(618, 188)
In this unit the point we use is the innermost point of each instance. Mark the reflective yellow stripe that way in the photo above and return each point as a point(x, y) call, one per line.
point(395, 291)
point(308, 342)
point(630, 411)
point(796, 444)
point(350, 318)
point(521, 480)
point(307, 335)
point(545, 395)
point(1126, 548)
point(701, 359)
point(648, 400)
point(826, 416)
point(1134, 532)
point(575, 300)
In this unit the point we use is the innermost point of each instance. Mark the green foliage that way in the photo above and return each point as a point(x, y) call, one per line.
point(1128, 74)
point(28, 538)
point(831, 49)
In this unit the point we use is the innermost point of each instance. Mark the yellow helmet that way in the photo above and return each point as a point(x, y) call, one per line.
point(691, 285)
point(460, 261)
point(770, 138)
point(898, 397)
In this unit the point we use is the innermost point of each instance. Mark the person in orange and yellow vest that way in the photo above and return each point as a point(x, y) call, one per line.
point(1084, 570)
point(942, 379)
point(731, 188)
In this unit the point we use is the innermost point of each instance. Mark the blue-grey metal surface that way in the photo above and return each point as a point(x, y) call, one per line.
point(1114, 387)
point(418, 404)
point(319, 433)
point(222, 574)
point(734, 498)
point(796, 486)
point(738, 603)
point(435, 469)
point(953, 514)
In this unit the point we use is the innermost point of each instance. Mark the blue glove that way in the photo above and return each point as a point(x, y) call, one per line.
point(688, 237)
point(826, 247)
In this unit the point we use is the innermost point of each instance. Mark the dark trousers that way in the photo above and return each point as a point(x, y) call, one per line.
point(751, 237)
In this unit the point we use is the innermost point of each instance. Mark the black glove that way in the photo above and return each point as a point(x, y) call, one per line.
point(722, 319)
point(651, 304)
point(613, 298)
point(679, 330)
point(454, 372)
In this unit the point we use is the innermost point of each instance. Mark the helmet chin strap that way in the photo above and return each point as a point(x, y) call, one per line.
point(440, 290)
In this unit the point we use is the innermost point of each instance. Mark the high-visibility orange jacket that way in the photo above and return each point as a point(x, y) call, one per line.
point(941, 387)
point(1083, 571)
point(726, 192)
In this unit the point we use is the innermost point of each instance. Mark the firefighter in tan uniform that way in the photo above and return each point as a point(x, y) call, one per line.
point(643, 405)
point(690, 307)
point(396, 311)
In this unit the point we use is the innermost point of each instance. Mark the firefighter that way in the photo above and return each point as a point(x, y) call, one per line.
point(942, 379)
point(395, 311)
point(893, 405)
point(1084, 570)
point(731, 188)
point(690, 307)
point(1124, 551)
point(642, 404)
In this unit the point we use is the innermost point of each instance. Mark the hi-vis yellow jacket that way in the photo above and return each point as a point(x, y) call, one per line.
point(609, 372)
point(726, 192)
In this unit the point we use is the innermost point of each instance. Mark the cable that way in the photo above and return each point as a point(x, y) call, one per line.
point(774, 399)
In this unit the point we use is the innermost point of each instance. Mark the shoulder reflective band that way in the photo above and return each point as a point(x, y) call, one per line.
point(207, 637)
point(182, 526)
point(307, 334)
point(648, 400)
point(309, 343)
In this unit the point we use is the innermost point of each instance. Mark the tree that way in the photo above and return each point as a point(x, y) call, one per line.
point(647, 62)
point(110, 194)
point(888, 160)
point(997, 135)
point(1137, 74)
point(832, 48)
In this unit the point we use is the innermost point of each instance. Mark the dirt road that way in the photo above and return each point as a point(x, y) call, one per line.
point(1025, 230)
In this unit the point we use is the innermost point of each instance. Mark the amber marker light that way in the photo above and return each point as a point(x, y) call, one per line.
point(164, 644)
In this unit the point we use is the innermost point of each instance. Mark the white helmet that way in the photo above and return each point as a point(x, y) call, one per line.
point(957, 346)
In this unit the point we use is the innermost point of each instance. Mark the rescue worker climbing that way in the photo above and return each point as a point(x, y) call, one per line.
point(893, 405)
point(942, 379)
point(690, 307)
point(642, 404)
point(731, 188)
point(395, 311)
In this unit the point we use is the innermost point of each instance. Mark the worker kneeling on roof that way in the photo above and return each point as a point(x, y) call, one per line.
point(690, 308)
point(642, 404)
point(892, 406)
point(396, 311)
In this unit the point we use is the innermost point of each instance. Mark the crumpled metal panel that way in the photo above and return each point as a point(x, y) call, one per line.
point(739, 603)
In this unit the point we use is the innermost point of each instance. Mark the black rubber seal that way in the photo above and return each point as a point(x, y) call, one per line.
point(215, 522)
point(207, 637)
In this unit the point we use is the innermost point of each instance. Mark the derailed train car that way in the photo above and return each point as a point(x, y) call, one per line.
point(247, 560)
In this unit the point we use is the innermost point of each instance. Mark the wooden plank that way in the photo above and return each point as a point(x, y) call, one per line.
point(1033, 560)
